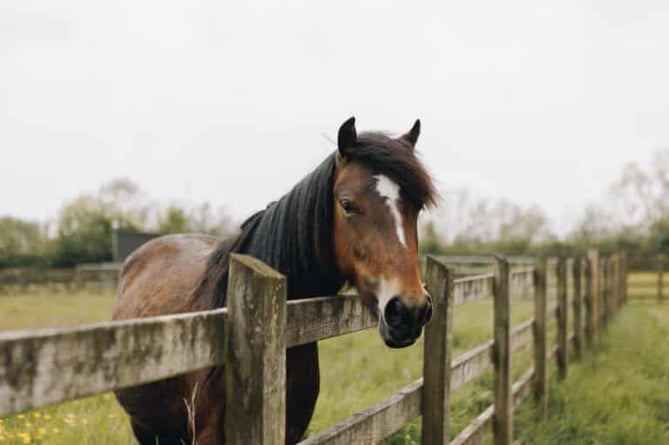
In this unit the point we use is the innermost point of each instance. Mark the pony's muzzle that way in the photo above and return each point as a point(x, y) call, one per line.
point(401, 325)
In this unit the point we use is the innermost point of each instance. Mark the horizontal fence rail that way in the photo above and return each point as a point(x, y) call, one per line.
point(43, 367)
point(38, 368)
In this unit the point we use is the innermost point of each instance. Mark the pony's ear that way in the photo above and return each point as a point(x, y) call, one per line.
point(412, 136)
point(347, 136)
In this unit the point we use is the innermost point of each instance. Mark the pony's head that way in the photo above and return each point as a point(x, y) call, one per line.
point(380, 186)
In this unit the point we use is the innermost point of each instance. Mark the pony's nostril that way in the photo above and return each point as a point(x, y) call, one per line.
point(393, 312)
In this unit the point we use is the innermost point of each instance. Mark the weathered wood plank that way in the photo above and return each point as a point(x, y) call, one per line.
point(471, 364)
point(577, 305)
point(552, 314)
point(437, 350)
point(315, 319)
point(471, 289)
point(255, 354)
point(521, 334)
point(482, 259)
point(479, 277)
point(540, 337)
point(562, 318)
point(623, 277)
point(593, 262)
point(476, 432)
point(42, 367)
point(319, 318)
point(376, 422)
point(604, 296)
point(522, 387)
point(503, 417)
point(588, 304)
point(551, 357)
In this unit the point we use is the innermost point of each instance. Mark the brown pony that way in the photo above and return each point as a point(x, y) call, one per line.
point(353, 219)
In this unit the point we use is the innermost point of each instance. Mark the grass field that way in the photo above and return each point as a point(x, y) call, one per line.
point(619, 394)
point(357, 371)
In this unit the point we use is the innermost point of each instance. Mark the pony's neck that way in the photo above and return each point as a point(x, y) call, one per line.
point(294, 236)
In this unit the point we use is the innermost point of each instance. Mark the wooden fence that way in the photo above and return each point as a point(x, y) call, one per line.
point(649, 281)
point(43, 367)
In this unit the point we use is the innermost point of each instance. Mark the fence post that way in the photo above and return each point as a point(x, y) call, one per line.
point(437, 346)
point(503, 417)
point(255, 354)
point(660, 274)
point(562, 317)
point(616, 283)
point(540, 346)
point(577, 272)
point(623, 278)
point(603, 263)
point(587, 300)
point(608, 261)
point(593, 321)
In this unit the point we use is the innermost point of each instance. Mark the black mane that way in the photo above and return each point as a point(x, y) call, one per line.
point(294, 235)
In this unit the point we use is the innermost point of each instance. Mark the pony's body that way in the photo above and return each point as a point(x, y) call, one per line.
point(307, 237)
point(184, 259)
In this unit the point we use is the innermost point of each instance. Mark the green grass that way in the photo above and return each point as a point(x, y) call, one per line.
point(356, 372)
point(619, 393)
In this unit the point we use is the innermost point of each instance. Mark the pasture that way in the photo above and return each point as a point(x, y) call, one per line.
point(619, 394)
point(357, 371)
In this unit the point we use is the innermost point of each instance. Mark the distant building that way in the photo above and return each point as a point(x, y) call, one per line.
point(124, 242)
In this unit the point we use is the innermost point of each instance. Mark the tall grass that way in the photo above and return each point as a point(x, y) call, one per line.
point(619, 393)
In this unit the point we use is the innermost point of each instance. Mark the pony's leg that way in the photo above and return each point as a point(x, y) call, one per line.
point(302, 386)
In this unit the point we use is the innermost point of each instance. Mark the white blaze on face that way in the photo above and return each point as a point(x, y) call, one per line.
point(391, 191)
point(385, 291)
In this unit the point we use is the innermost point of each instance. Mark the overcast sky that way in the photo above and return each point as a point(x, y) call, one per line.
point(233, 102)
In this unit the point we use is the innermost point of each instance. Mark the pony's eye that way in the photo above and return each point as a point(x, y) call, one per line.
point(347, 206)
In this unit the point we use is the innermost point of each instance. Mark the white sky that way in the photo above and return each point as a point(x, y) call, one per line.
point(534, 101)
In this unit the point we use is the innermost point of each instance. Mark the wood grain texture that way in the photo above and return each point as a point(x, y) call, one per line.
point(562, 317)
point(577, 305)
point(588, 316)
point(255, 354)
point(540, 337)
point(593, 262)
point(476, 432)
point(471, 364)
point(375, 423)
point(319, 318)
point(42, 367)
point(472, 288)
point(503, 417)
point(437, 352)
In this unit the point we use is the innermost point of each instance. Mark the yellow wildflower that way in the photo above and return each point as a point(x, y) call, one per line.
point(55, 430)
point(47, 416)
point(37, 414)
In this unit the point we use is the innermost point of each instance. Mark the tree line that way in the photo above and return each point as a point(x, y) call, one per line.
point(82, 231)
point(632, 215)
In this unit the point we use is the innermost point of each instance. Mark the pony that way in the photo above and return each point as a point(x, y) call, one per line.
point(351, 221)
